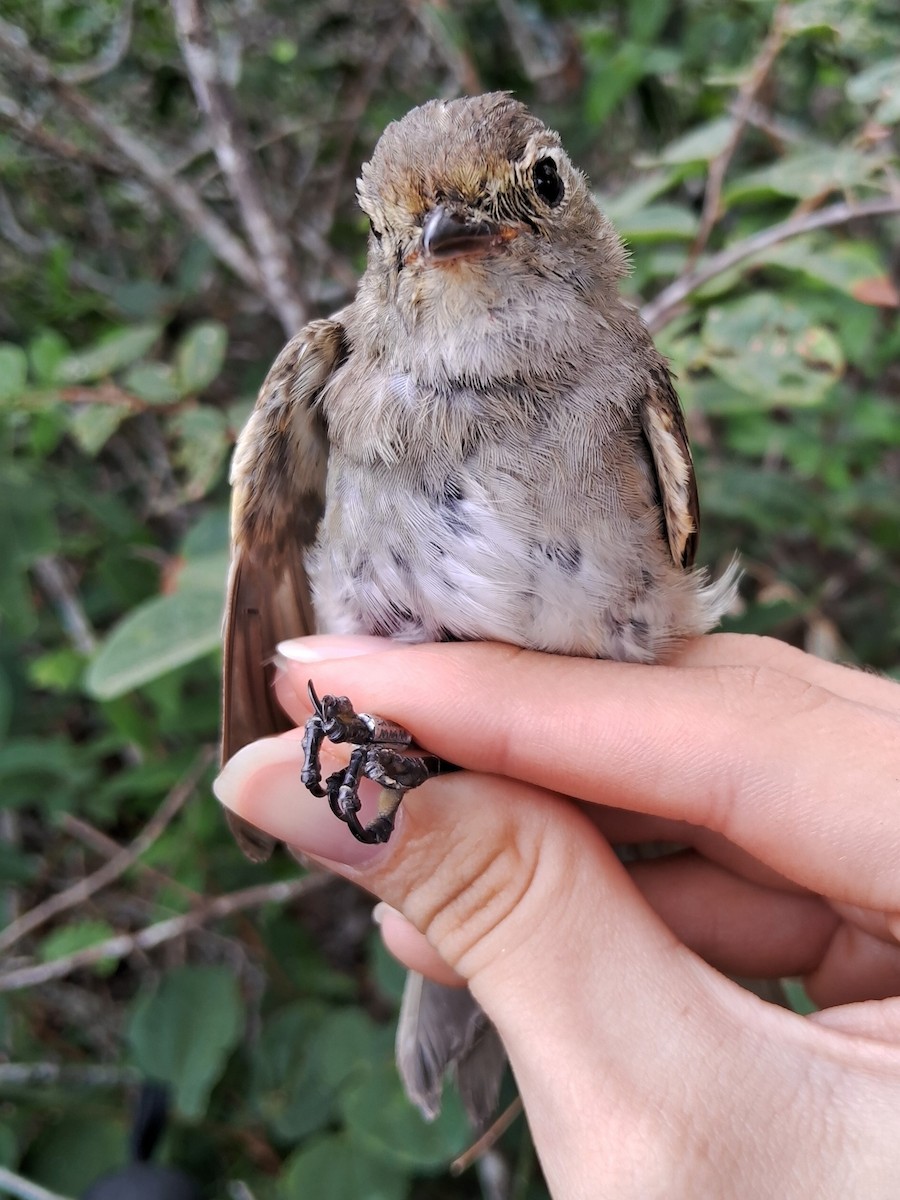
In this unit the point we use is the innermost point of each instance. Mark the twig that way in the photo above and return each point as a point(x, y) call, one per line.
point(152, 936)
point(747, 94)
point(109, 57)
point(232, 147)
point(99, 842)
point(23, 1189)
point(352, 106)
point(659, 311)
point(456, 57)
point(45, 1074)
point(489, 1138)
point(51, 577)
point(146, 162)
point(79, 892)
point(31, 126)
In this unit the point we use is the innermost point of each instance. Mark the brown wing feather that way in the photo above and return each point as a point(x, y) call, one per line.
point(278, 481)
point(663, 424)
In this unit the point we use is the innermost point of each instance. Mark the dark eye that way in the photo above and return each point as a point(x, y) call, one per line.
point(547, 182)
point(376, 233)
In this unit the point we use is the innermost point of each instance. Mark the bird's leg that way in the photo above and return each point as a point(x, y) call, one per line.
point(379, 755)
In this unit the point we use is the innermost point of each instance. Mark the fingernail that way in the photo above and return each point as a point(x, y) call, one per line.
point(322, 646)
point(261, 783)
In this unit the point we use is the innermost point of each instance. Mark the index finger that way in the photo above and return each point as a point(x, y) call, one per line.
point(805, 779)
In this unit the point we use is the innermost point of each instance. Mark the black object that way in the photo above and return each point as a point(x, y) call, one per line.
point(142, 1179)
point(382, 754)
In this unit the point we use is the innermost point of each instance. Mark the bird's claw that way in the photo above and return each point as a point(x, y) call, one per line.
point(380, 753)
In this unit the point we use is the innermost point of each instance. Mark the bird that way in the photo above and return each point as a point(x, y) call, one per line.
point(484, 444)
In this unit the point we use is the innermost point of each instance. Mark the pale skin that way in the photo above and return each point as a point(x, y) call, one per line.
point(644, 1071)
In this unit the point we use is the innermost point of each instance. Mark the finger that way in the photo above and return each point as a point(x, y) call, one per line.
point(742, 649)
point(855, 966)
point(714, 650)
point(739, 927)
point(785, 769)
point(412, 948)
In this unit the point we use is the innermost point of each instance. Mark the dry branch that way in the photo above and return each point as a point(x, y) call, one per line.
point(659, 311)
point(749, 90)
point(238, 164)
point(81, 891)
point(227, 247)
point(152, 936)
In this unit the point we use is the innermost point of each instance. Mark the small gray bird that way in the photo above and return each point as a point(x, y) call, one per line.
point(484, 445)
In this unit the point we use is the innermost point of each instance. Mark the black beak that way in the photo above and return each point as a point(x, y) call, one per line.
point(447, 235)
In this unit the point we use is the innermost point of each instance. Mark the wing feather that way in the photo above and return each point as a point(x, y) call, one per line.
point(663, 425)
point(278, 491)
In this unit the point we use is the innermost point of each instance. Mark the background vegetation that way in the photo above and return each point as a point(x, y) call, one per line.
point(148, 281)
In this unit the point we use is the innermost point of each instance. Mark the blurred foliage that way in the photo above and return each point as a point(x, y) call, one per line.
point(129, 357)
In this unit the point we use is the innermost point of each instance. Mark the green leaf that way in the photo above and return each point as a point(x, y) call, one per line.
point(879, 85)
point(208, 536)
point(854, 268)
point(158, 636)
point(199, 357)
point(337, 1167)
point(70, 1152)
point(645, 20)
point(92, 425)
point(383, 1120)
point(153, 382)
point(658, 223)
point(57, 670)
point(27, 530)
point(184, 1032)
point(807, 173)
point(203, 447)
point(45, 352)
point(13, 371)
point(612, 77)
point(288, 1090)
point(110, 354)
point(767, 348)
point(78, 936)
point(703, 143)
point(16, 868)
point(347, 1045)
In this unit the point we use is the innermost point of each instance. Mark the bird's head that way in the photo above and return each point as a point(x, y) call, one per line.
point(475, 207)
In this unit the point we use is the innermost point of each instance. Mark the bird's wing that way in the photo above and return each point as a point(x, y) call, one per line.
point(662, 422)
point(278, 493)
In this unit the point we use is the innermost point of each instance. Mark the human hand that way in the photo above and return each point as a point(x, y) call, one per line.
point(643, 1070)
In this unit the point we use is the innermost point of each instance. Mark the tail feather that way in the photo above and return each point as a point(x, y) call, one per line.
point(444, 1029)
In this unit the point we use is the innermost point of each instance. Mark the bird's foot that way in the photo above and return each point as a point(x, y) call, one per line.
point(380, 754)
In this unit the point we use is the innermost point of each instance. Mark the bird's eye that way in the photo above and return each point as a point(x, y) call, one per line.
point(376, 233)
point(547, 182)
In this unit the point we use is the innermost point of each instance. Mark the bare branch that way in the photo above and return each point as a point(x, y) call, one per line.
point(746, 97)
point(32, 127)
point(81, 891)
point(659, 311)
point(24, 1189)
point(51, 576)
point(240, 168)
point(98, 841)
point(146, 162)
point(111, 54)
point(152, 936)
point(434, 24)
point(45, 1074)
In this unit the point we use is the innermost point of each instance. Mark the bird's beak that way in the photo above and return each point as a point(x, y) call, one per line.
point(447, 235)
